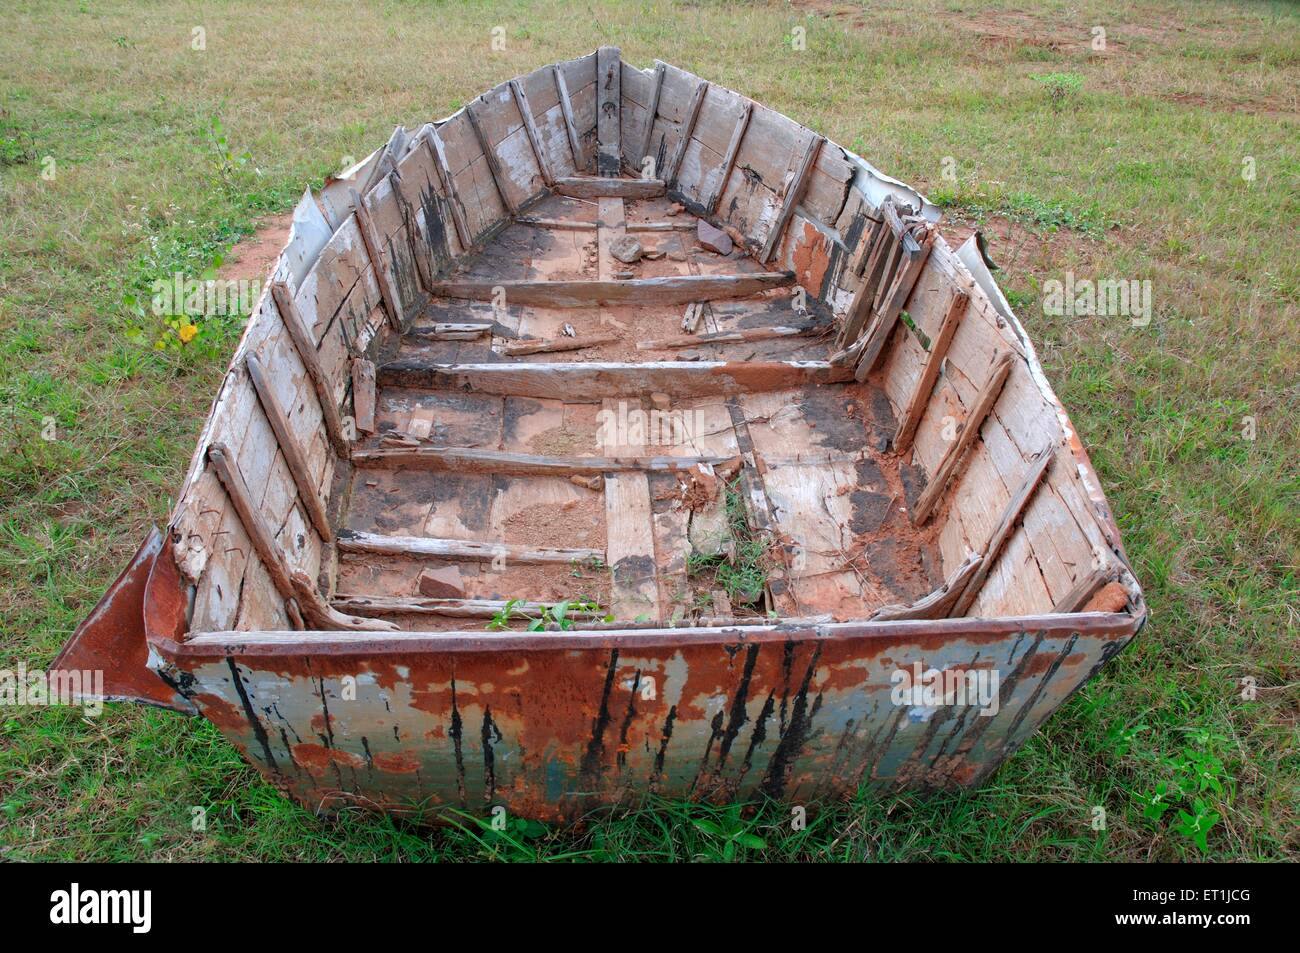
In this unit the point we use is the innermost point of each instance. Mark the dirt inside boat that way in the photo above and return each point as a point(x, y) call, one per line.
point(618, 434)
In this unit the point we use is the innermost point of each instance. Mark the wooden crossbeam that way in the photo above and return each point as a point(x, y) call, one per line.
point(307, 353)
point(673, 289)
point(920, 397)
point(609, 379)
point(586, 187)
point(793, 196)
point(481, 550)
point(294, 457)
point(970, 429)
point(473, 460)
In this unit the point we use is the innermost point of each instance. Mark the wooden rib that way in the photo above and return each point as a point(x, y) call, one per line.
point(452, 608)
point(887, 313)
point(585, 187)
point(370, 238)
point(793, 196)
point(1083, 590)
point(865, 296)
point(609, 122)
point(433, 142)
point(530, 127)
point(473, 460)
point(288, 583)
point(409, 226)
point(673, 289)
point(723, 337)
point(423, 546)
point(450, 331)
point(970, 429)
point(916, 404)
point(570, 125)
point(557, 345)
point(562, 380)
point(293, 455)
point(493, 163)
point(363, 394)
point(729, 160)
point(688, 128)
point(650, 115)
point(1002, 532)
point(938, 604)
point(306, 347)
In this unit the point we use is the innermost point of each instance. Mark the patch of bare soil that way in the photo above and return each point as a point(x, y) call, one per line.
point(577, 522)
point(1012, 245)
point(255, 256)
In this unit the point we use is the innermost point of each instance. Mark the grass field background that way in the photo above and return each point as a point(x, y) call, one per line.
point(127, 155)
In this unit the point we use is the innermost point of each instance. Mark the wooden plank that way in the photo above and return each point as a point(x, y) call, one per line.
point(729, 160)
point(793, 195)
point(723, 337)
point(517, 348)
point(283, 299)
point(370, 238)
point(1083, 590)
point(530, 127)
point(688, 127)
point(609, 111)
point(970, 429)
point(611, 379)
point(451, 608)
point(293, 454)
point(363, 394)
point(473, 460)
point(484, 550)
point(860, 310)
point(570, 124)
point(629, 536)
point(585, 187)
point(673, 289)
point(493, 161)
point(435, 145)
point(661, 226)
point(1010, 515)
point(652, 110)
point(916, 404)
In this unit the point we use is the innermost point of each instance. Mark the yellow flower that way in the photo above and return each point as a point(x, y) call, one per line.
point(187, 332)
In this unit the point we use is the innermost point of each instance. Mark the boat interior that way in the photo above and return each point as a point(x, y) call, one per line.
point(678, 362)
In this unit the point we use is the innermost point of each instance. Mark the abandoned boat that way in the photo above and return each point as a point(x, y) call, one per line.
point(615, 435)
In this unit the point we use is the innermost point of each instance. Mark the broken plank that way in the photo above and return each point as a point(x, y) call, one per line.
point(672, 289)
point(556, 345)
point(723, 337)
point(583, 187)
point(430, 547)
point(886, 315)
point(559, 224)
point(562, 380)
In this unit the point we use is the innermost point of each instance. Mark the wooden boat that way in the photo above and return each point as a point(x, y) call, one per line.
point(523, 489)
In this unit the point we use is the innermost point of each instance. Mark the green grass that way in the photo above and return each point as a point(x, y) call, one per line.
point(163, 156)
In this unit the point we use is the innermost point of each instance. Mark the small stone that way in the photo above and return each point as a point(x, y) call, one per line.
point(676, 256)
point(594, 482)
point(626, 249)
point(714, 239)
point(441, 583)
point(675, 209)
point(660, 400)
